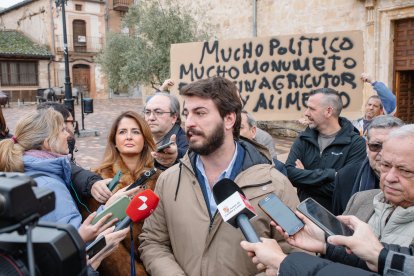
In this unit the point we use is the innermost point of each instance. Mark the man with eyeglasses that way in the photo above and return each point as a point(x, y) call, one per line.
point(329, 143)
point(162, 113)
point(364, 176)
point(389, 211)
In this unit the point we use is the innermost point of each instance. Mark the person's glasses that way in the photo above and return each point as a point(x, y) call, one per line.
point(375, 147)
point(156, 112)
point(70, 121)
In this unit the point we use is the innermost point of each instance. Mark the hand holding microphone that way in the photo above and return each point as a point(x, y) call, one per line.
point(235, 208)
point(141, 206)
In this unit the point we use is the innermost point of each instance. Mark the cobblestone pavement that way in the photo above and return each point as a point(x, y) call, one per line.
point(90, 149)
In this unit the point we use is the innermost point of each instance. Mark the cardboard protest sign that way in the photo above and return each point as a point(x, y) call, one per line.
point(275, 74)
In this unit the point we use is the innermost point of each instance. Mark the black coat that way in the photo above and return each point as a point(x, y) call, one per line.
point(351, 179)
point(317, 179)
point(299, 264)
point(83, 180)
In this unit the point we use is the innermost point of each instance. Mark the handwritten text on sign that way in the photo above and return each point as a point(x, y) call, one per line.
point(276, 74)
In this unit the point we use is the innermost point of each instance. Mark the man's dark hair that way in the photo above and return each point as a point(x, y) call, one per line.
point(331, 99)
point(61, 108)
point(222, 92)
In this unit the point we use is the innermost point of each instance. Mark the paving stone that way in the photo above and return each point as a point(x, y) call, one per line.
point(90, 149)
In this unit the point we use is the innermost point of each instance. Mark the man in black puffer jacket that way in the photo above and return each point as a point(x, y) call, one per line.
point(328, 144)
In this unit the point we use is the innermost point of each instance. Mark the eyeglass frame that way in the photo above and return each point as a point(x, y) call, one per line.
point(156, 112)
point(375, 147)
point(70, 121)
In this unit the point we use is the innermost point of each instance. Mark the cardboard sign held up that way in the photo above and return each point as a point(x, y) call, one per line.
point(275, 74)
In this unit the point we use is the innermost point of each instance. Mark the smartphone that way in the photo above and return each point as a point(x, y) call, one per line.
point(117, 208)
point(115, 180)
point(323, 218)
point(281, 214)
point(142, 179)
point(163, 147)
point(94, 247)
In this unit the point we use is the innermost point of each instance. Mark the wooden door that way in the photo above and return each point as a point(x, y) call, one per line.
point(81, 78)
point(79, 36)
point(404, 68)
point(405, 95)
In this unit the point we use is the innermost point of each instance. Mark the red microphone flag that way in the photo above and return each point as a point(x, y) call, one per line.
point(142, 205)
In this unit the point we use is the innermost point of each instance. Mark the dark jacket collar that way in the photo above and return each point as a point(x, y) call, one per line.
point(344, 136)
point(174, 130)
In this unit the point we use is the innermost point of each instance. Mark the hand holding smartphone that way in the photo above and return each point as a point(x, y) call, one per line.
point(117, 208)
point(94, 247)
point(115, 180)
point(163, 147)
point(323, 218)
point(281, 214)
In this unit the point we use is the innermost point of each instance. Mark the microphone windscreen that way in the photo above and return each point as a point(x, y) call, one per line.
point(224, 189)
point(142, 205)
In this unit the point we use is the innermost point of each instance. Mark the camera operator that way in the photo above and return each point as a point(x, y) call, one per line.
point(39, 148)
point(28, 246)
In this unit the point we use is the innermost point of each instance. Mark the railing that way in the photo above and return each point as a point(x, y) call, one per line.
point(81, 44)
point(122, 5)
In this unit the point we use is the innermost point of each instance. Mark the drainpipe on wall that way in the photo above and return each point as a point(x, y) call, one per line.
point(254, 18)
point(106, 16)
point(52, 23)
point(48, 70)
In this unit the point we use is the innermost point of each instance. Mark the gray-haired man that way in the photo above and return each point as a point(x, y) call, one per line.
point(364, 176)
point(162, 113)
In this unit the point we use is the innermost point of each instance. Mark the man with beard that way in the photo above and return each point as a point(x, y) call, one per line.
point(328, 144)
point(185, 235)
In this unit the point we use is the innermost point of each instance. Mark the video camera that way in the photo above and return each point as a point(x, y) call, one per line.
point(58, 249)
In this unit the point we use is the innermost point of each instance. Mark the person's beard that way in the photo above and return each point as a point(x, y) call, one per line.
point(212, 142)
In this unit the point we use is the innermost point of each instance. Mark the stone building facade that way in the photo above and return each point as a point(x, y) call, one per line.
point(87, 24)
point(387, 26)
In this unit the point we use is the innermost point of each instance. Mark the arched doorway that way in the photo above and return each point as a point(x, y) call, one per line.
point(79, 36)
point(81, 78)
point(404, 68)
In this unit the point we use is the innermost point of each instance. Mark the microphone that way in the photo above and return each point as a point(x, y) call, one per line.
point(141, 206)
point(234, 208)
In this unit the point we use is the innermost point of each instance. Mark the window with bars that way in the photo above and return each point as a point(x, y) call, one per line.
point(18, 73)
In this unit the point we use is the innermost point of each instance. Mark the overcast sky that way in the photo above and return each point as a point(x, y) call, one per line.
point(8, 3)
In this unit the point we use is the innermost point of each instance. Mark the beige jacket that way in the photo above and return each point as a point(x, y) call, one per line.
point(391, 225)
point(177, 239)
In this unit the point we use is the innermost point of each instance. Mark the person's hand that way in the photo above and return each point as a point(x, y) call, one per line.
point(309, 238)
point(167, 85)
point(266, 255)
point(89, 231)
point(299, 164)
point(362, 243)
point(112, 240)
point(365, 77)
point(122, 192)
point(168, 156)
point(100, 190)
